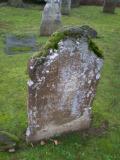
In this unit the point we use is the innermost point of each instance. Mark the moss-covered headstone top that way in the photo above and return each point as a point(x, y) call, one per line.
point(69, 32)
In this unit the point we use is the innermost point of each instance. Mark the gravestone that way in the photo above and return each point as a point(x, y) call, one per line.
point(75, 3)
point(109, 6)
point(16, 3)
point(51, 18)
point(20, 44)
point(65, 7)
point(63, 83)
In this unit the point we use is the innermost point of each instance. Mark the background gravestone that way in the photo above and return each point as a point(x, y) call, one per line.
point(63, 84)
point(65, 7)
point(109, 6)
point(20, 44)
point(75, 3)
point(51, 18)
point(16, 3)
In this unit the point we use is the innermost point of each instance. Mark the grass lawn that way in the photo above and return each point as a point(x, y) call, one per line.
point(106, 107)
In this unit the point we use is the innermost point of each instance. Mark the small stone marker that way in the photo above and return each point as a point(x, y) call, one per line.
point(51, 18)
point(8, 141)
point(20, 44)
point(63, 84)
point(65, 7)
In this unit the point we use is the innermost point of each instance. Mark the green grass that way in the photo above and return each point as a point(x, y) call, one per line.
point(21, 49)
point(13, 88)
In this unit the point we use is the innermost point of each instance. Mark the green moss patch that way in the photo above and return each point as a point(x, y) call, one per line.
point(52, 43)
point(21, 49)
point(95, 48)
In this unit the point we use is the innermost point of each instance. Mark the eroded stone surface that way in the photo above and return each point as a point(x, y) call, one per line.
point(61, 90)
point(51, 18)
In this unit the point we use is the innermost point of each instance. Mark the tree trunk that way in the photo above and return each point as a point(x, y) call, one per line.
point(109, 6)
point(75, 3)
point(16, 3)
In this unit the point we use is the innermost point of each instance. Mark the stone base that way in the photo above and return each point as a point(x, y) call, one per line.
point(50, 131)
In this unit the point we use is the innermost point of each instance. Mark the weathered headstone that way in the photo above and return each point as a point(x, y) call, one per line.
point(109, 6)
point(63, 84)
point(19, 44)
point(51, 18)
point(65, 7)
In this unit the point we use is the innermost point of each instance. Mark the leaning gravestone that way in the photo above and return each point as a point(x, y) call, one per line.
point(65, 7)
point(63, 83)
point(51, 18)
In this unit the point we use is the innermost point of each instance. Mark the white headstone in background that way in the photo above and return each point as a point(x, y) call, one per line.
point(51, 18)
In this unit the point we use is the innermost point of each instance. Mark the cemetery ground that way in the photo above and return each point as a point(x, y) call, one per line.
point(102, 140)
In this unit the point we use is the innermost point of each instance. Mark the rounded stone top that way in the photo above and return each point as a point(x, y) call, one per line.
point(78, 31)
point(74, 32)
